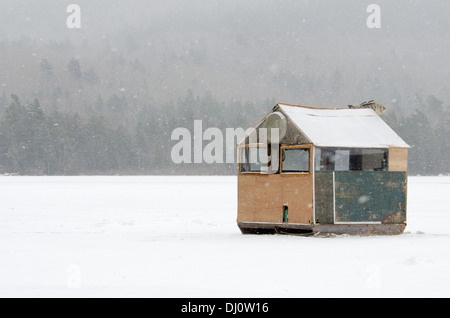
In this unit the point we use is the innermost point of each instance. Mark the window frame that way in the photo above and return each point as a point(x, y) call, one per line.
point(356, 157)
point(310, 157)
point(242, 147)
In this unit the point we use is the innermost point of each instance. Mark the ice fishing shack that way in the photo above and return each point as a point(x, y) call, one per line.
point(322, 170)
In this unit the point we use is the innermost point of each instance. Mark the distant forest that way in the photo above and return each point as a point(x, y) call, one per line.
point(38, 142)
point(104, 99)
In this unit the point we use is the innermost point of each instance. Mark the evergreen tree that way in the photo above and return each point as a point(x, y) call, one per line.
point(74, 68)
point(46, 67)
point(90, 76)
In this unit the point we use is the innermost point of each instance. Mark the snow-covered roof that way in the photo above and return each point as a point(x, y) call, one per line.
point(341, 127)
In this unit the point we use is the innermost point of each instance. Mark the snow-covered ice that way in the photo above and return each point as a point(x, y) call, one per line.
point(177, 237)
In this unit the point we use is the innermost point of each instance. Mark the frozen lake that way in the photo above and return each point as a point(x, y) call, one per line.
point(177, 237)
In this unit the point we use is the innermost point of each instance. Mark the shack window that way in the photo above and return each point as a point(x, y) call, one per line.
point(253, 159)
point(355, 159)
point(369, 159)
point(295, 160)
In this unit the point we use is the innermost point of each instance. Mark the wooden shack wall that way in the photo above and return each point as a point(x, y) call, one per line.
point(261, 198)
point(398, 159)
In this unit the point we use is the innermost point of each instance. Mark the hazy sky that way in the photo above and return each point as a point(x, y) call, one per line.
point(46, 18)
point(412, 43)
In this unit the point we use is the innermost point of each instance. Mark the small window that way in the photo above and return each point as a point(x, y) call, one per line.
point(295, 160)
point(351, 159)
point(253, 160)
point(368, 159)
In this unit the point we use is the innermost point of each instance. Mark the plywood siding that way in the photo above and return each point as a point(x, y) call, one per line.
point(298, 195)
point(259, 198)
point(398, 159)
point(262, 197)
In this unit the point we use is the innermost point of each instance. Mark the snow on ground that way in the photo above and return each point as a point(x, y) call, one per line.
point(177, 237)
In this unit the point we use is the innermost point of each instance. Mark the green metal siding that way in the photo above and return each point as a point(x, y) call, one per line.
point(370, 196)
point(361, 196)
point(324, 197)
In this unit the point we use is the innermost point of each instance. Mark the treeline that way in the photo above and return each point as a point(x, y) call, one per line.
point(427, 130)
point(33, 142)
point(38, 142)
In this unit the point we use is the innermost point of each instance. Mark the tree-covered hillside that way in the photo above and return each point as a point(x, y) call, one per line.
point(105, 98)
